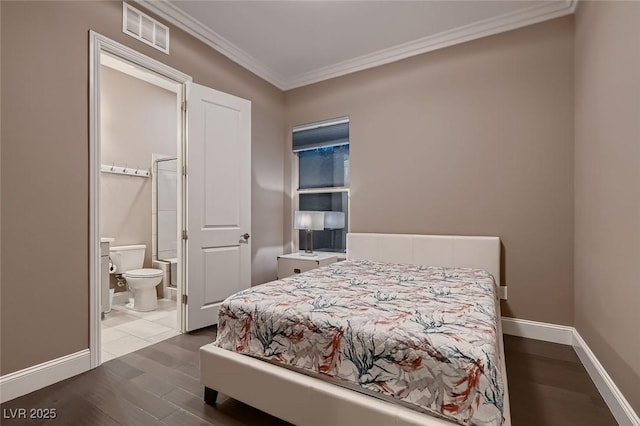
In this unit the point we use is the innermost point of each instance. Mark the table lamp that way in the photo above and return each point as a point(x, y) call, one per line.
point(309, 221)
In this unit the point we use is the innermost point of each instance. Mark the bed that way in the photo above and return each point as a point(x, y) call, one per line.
point(279, 371)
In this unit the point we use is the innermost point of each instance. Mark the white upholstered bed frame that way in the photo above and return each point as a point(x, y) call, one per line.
point(305, 400)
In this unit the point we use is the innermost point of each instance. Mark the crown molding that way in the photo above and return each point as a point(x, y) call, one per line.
point(574, 5)
point(192, 26)
point(506, 22)
point(476, 30)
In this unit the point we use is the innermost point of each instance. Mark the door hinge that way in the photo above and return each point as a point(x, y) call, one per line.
point(184, 171)
point(184, 299)
point(184, 105)
point(184, 235)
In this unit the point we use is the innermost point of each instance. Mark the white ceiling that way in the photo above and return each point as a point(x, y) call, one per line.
point(294, 43)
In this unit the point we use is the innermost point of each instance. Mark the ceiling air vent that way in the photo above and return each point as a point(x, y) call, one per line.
point(144, 28)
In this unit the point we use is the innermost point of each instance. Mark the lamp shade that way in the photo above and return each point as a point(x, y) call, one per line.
point(309, 220)
point(333, 220)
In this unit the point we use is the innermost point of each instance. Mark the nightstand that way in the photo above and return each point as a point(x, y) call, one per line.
point(296, 263)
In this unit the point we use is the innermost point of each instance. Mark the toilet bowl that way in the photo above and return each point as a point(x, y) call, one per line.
point(142, 284)
point(141, 281)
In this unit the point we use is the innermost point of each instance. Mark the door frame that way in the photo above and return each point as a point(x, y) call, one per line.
point(99, 44)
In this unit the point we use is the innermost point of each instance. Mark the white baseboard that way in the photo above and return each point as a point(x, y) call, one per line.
point(615, 400)
point(617, 403)
point(538, 330)
point(22, 382)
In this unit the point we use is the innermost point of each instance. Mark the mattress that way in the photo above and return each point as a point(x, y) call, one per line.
point(423, 336)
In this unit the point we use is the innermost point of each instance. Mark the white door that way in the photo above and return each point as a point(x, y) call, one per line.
point(218, 248)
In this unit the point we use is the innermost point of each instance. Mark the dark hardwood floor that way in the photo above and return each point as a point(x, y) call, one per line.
point(549, 386)
point(159, 385)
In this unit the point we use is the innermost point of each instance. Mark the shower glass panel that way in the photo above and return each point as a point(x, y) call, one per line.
point(167, 209)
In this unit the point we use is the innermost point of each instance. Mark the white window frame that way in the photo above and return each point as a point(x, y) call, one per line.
point(296, 191)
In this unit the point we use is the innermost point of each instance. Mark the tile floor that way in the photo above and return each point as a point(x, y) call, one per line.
point(125, 330)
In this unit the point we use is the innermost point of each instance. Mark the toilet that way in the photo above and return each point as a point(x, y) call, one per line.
point(141, 281)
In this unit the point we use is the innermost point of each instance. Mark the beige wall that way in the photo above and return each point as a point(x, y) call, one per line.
point(607, 188)
point(476, 139)
point(45, 193)
point(473, 139)
point(138, 119)
point(0, 169)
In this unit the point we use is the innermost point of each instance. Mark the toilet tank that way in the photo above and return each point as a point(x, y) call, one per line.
point(127, 258)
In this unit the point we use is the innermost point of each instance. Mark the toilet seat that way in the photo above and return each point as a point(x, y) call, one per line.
point(143, 273)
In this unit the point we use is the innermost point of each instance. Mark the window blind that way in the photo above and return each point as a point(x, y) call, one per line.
point(321, 135)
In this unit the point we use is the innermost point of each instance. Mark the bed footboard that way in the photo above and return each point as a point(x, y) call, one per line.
point(299, 399)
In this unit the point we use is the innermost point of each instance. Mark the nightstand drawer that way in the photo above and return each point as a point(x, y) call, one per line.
point(291, 264)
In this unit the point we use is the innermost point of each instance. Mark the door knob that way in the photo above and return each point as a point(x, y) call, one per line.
point(246, 236)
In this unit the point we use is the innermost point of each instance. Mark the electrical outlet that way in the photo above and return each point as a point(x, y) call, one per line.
point(503, 292)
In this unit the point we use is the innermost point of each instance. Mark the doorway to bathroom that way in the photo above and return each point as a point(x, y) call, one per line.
point(139, 205)
point(213, 206)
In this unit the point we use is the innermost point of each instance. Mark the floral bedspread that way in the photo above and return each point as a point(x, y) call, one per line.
point(424, 335)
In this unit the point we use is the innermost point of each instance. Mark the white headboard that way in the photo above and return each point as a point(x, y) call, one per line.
point(436, 250)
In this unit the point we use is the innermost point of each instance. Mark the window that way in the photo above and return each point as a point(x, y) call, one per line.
point(322, 178)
